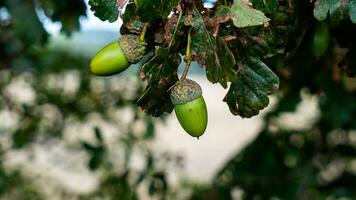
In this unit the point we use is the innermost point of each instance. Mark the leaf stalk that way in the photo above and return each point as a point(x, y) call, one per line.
point(143, 32)
point(188, 56)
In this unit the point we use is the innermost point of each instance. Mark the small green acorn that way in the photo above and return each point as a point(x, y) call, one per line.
point(118, 55)
point(139, 3)
point(321, 38)
point(190, 107)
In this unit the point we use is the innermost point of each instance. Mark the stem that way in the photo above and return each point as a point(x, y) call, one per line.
point(175, 28)
point(143, 32)
point(174, 34)
point(187, 56)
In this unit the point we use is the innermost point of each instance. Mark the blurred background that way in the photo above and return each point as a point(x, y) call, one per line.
point(66, 134)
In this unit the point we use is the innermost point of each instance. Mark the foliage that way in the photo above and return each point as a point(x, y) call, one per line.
point(219, 40)
point(338, 10)
point(244, 15)
point(253, 61)
point(216, 44)
point(105, 10)
point(314, 162)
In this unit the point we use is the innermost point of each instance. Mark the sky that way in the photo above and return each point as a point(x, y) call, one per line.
point(93, 23)
point(87, 23)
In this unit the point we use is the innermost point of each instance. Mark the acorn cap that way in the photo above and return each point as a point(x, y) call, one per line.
point(133, 47)
point(185, 91)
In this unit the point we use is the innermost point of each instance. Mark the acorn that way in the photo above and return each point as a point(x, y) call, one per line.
point(190, 107)
point(321, 38)
point(118, 55)
point(139, 3)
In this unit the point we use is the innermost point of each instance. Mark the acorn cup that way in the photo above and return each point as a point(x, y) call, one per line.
point(118, 55)
point(190, 107)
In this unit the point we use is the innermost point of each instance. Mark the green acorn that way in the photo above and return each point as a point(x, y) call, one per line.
point(118, 55)
point(190, 107)
point(321, 38)
point(139, 3)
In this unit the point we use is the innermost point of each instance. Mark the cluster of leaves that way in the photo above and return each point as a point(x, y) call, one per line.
point(232, 41)
point(234, 54)
point(18, 17)
point(219, 39)
point(337, 11)
point(314, 162)
point(310, 162)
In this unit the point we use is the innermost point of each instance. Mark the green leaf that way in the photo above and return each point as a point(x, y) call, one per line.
point(256, 46)
point(88, 147)
point(244, 15)
point(213, 52)
point(130, 12)
point(105, 9)
point(26, 19)
point(269, 6)
point(223, 10)
point(337, 9)
point(98, 134)
point(150, 129)
point(248, 93)
point(153, 9)
point(161, 72)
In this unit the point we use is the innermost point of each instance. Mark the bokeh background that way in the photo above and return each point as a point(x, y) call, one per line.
point(66, 134)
